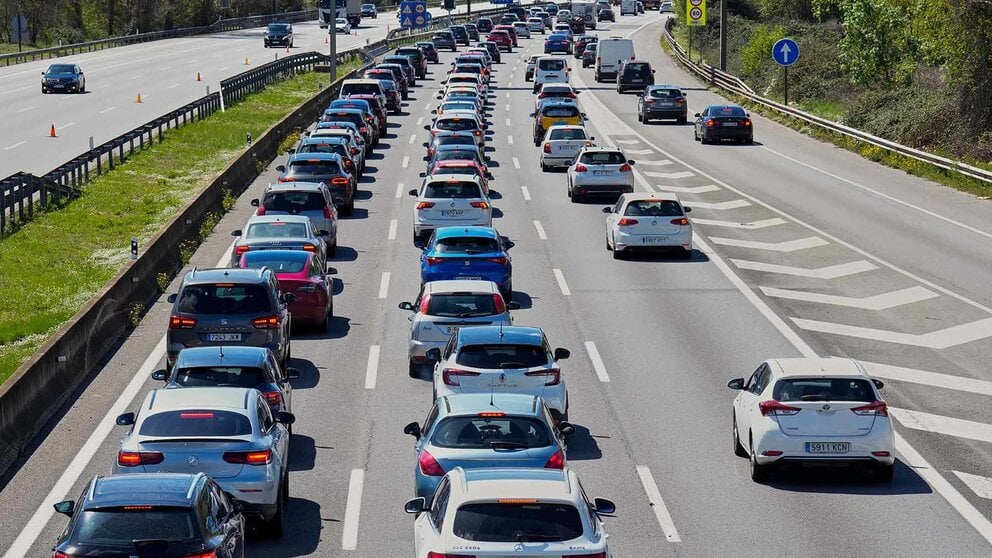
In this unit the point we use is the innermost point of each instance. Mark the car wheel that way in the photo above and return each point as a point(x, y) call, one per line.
point(640, 118)
point(333, 248)
point(695, 136)
point(682, 120)
point(544, 168)
point(414, 370)
point(685, 254)
point(883, 473)
point(749, 140)
point(350, 208)
point(759, 473)
point(703, 140)
point(618, 254)
point(738, 448)
point(273, 528)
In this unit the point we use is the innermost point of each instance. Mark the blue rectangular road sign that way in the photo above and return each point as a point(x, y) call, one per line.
point(414, 14)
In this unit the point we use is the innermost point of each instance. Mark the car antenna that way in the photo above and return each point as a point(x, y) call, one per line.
point(492, 387)
point(221, 348)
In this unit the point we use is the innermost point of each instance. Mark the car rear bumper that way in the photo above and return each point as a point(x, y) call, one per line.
point(666, 113)
point(553, 161)
point(793, 448)
point(308, 313)
point(425, 229)
point(681, 239)
point(602, 189)
point(727, 133)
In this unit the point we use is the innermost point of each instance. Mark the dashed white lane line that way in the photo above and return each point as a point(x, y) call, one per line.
point(399, 190)
point(392, 229)
point(508, 123)
point(597, 362)
point(560, 277)
point(25, 109)
point(763, 223)
point(104, 86)
point(384, 285)
point(372, 367)
point(174, 85)
point(420, 121)
point(427, 107)
point(877, 302)
point(828, 272)
point(413, 138)
point(540, 230)
point(927, 378)
point(507, 108)
point(516, 163)
point(628, 142)
point(353, 510)
point(948, 426)
point(525, 192)
point(786, 246)
point(507, 94)
point(106, 110)
point(981, 486)
point(15, 145)
point(406, 161)
point(509, 140)
point(658, 505)
point(66, 125)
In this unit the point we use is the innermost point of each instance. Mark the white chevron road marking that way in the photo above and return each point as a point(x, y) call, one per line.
point(878, 302)
point(939, 424)
point(660, 163)
point(627, 142)
point(685, 189)
point(764, 223)
point(927, 378)
point(787, 246)
point(638, 151)
point(721, 206)
point(829, 272)
point(670, 175)
point(940, 339)
point(981, 486)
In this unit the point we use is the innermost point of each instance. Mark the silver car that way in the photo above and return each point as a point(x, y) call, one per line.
point(310, 199)
point(444, 306)
point(450, 200)
point(600, 171)
point(279, 232)
point(226, 432)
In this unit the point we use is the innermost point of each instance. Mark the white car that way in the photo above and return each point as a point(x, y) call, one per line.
point(489, 359)
point(450, 200)
point(600, 171)
point(561, 144)
point(820, 411)
point(341, 25)
point(564, 16)
point(550, 69)
point(522, 29)
point(529, 68)
point(522, 512)
point(642, 222)
point(555, 92)
point(535, 25)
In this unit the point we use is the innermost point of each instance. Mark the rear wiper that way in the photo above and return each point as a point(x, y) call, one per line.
point(473, 252)
point(507, 445)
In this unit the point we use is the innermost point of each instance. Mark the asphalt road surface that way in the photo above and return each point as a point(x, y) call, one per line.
point(802, 249)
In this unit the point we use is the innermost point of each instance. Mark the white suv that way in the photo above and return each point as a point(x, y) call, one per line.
point(513, 512)
point(450, 200)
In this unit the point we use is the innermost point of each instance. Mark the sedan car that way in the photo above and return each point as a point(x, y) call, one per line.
point(719, 122)
point(662, 101)
point(278, 232)
point(450, 200)
point(168, 514)
point(812, 411)
point(369, 10)
point(302, 274)
point(63, 77)
point(463, 167)
point(481, 430)
point(341, 25)
point(502, 40)
point(443, 306)
point(558, 43)
point(606, 14)
point(642, 221)
point(279, 34)
point(600, 171)
point(468, 253)
point(462, 122)
point(327, 168)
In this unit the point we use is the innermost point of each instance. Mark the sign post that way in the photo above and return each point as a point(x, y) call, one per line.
point(785, 53)
point(695, 16)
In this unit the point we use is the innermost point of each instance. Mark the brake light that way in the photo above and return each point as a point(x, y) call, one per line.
point(682, 221)
point(450, 375)
point(445, 555)
point(480, 205)
point(354, 151)
point(649, 101)
point(273, 397)
point(424, 303)
point(260, 210)
point(626, 222)
point(240, 250)
point(340, 181)
point(624, 168)
point(267, 322)
point(875, 408)
point(556, 461)
point(477, 133)
point(580, 168)
point(197, 415)
point(181, 322)
point(363, 130)
point(500, 261)
point(425, 205)
point(710, 122)
point(135, 458)
point(287, 179)
point(263, 457)
point(747, 123)
point(309, 247)
point(210, 554)
point(433, 260)
point(772, 407)
point(547, 147)
point(571, 95)
point(428, 465)
point(553, 376)
point(499, 304)
point(541, 95)
point(493, 414)
point(327, 212)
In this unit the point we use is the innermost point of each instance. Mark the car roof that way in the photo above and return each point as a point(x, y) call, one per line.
point(826, 366)
point(164, 489)
point(460, 286)
point(495, 483)
point(638, 196)
point(518, 335)
point(222, 356)
point(228, 398)
point(226, 275)
point(601, 149)
point(278, 218)
point(474, 231)
point(474, 403)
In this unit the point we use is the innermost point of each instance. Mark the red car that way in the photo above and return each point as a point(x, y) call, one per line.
point(462, 166)
point(377, 109)
point(509, 31)
point(301, 274)
point(501, 38)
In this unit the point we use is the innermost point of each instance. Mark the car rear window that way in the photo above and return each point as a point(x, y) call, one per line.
point(637, 69)
point(558, 37)
point(519, 523)
point(280, 261)
point(452, 189)
point(314, 167)
point(467, 245)
point(455, 140)
point(118, 527)
point(456, 124)
point(293, 201)
point(224, 298)
point(662, 92)
point(560, 111)
point(461, 305)
point(500, 356)
point(226, 376)
point(568, 134)
point(195, 423)
point(727, 111)
point(551, 64)
point(456, 154)
point(359, 89)
point(465, 170)
point(336, 148)
point(823, 389)
point(277, 229)
point(497, 432)
point(653, 208)
point(603, 158)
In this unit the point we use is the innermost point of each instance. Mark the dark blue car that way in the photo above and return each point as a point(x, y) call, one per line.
point(557, 42)
point(468, 253)
point(63, 77)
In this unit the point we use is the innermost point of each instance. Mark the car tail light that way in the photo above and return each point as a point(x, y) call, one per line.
point(273, 397)
point(771, 453)
point(263, 457)
point(680, 101)
point(450, 375)
point(210, 554)
point(309, 248)
point(354, 151)
point(64, 555)
point(580, 168)
point(547, 147)
point(425, 302)
point(553, 376)
point(260, 210)
point(626, 222)
point(881, 453)
point(499, 304)
point(649, 101)
point(746, 123)
point(772, 407)
point(327, 212)
point(480, 205)
point(135, 458)
point(571, 95)
point(710, 122)
point(625, 168)
point(446, 555)
point(541, 95)
point(181, 322)
point(556, 461)
point(875, 408)
point(340, 181)
point(428, 465)
point(500, 261)
point(433, 261)
point(425, 205)
point(363, 130)
point(681, 221)
point(477, 133)
point(267, 322)
point(599, 59)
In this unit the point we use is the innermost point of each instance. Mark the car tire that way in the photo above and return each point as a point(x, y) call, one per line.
point(413, 369)
point(695, 136)
point(883, 473)
point(739, 450)
point(681, 120)
point(759, 473)
point(332, 250)
point(749, 141)
point(349, 209)
point(273, 528)
point(544, 168)
point(618, 254)
point(685, 254)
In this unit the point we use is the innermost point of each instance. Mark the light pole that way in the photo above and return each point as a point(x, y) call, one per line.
point(332, 29)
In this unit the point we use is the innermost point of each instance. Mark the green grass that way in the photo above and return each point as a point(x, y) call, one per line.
point(8, 48)
point(52, 265)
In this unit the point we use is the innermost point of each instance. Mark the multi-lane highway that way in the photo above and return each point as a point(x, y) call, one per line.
point(802, 249)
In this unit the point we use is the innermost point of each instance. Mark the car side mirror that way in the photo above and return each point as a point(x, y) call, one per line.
point(630, 162)
point(878, 383)
point(566, 429)
point(406, 306)
point(287, 297)
point(417, 505)
point(291, 150)
point(696, 115)
point(127, 419)
point(513, 305)
point(254, 202)
point(607, 210)
point(236, 232)
point(561, 354)
point(652, 71)
point(584, 115)
point(332, 270)
point(412, 192)
point(736, 383)
point(292, 373)
point(65, 507)
point(640, 94)
point(532, 114)
point(686, 209)
point(285, 417)
point(172, 298)
point(412, 429)
point(422, 175)
point(426, 127)
point(747, 114)
point(160, 375)
point(281, 168)
point(604, 506)
point(425, 144)
point(434, 354)
point(324, 233)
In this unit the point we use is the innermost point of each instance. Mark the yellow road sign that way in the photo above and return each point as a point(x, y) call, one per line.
point(695, 13)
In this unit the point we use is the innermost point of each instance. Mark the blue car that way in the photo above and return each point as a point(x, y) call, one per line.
point(468, 253)
point(480, 430)
point(558, 42)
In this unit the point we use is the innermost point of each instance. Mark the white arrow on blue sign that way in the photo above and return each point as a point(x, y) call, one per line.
point(785, 52)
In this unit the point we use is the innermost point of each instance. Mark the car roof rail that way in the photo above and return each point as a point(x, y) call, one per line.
point(192, 272)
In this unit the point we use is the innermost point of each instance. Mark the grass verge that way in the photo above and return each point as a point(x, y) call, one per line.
point(52, 265)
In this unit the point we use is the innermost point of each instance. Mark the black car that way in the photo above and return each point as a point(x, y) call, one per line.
point(162, 515)
point(606, 14)
point(718, 122)
point(508, 19)
point(63, 77)
point(408, 68)
point(493, 50)
point(444, 39)
point(577, 25)
point(429, 50)
point(417, 57)
point(473, 31)
point(484, 24)
point(662, 101)
point(634, 74)
point(460, 34)
point(279, 34)
point(551, 8)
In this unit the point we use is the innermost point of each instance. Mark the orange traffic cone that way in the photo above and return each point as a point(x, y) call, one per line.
point(326, 41)
point(138, 100)
point(246, 61)
point(198, 76)
point(51, 133)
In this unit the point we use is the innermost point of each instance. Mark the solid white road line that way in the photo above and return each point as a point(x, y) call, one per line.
point(392, 229)
point(406, 161)
point(721, 206)
point(671, 175)
point(948, 426)
point(15, 145)
point(173, 86)
point(384, 285)
point(64, 126)
point(657, 504)
point(787, 246)
point(597, 362)
point(106, 110)
point(882, 301)
point(372, 367)
point(561, 282)
point(737, 225)
point(685, 189)
point(540, 230)
point(25, 109)
point(353, 510)
point(924, 377)
point(222, 69)
point(399, 190)
point(413, 138)
point(940, 339)
point(525, 192)
point(641, 152)
point(828, 272)
point(627, 142)
point(516, 163)
point(981, 486)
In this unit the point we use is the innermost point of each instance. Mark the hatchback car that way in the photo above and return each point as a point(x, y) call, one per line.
point(369, 10)
point(364, 120)
point(473, 31)
point(493, 50)
point(479, 430)
point(326, 168)
point(589, 55)
point(444, 39)
point(812, 411)
point(634, 74)
point(370, 105)
point(301, 274)
point(642, 222)
point(600, 171)
point(450, 200)
point(529, 513)
point(468, 253)
point(555, 114)
point(662, 101)
point(460, 34)
point(484, 24)
point(178, 514)
point(522, 29)
point(409, 70)
point(343, 130)
point(429, 50)
point(229, 307)
point(460, 123)
point(501, 359)
point(278, 232)
point(462, 167)
point(351, 155)
point(312, 200)
point(561, 144)
point(417, 57)
point(719, 122)
point(279, 34)
point(465, 139)
point(341, 25)
point(502, 40)
point(535, 25)
point(228, 433)
point(399, 77)
point(606, 14)
point(63, 77)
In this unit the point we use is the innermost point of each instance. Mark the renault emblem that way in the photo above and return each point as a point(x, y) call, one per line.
point(193, 460)
point(826, 407)
point(452, 204)
point(465, 262)
point(654, 222)
point(518, 548)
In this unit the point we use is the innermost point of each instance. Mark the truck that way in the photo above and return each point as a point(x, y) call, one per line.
point(628, 7)
point(587, 10)
point(348, 9)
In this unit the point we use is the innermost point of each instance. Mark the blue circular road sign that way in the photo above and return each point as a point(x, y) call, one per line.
point(785, 52)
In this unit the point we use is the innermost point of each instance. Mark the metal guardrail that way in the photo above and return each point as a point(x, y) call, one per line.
point(219, 25)
point(734, 84)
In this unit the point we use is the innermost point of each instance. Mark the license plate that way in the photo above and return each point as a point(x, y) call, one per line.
point(729, 124)
point(652, 240)
point(828, 447)
point(637, 81)
point(451, 212)
point(666, 104)
point(601, 173)
point(219, 337)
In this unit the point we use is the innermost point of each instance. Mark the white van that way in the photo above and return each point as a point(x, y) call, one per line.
point(609, 54)
point(628, 7)
point(587, 11)
point(550, 69)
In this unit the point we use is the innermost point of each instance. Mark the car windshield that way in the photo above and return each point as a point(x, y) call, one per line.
point(602, 158)
point(823, 389)
point(461, 305)
point(452, 189)
point(568, 134)
point(653, 208)
point(278, 28)
point(491, 432)
point(456, 124)
point(293, 201)
point(518, 523)
point(314, 167)
point(662, 92)
point(226, 376)
point(467, 245)
point(224, 298)
point(195, 423)
point(280, 261)
point(727, 111)
point(336, 148)
point(61, 69)
point(498, 356)
point(117, 527)
point(551, 64)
